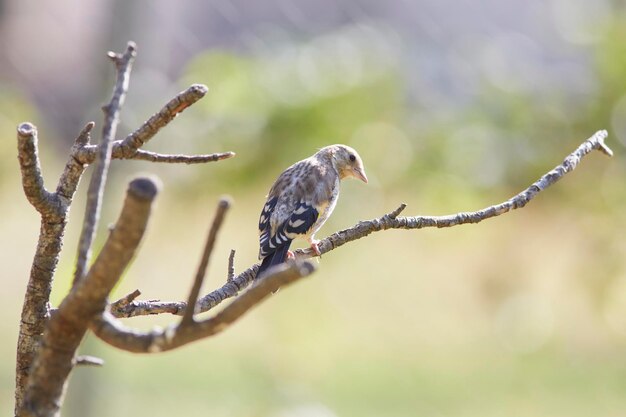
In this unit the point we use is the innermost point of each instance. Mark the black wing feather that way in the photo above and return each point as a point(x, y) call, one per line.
point(302, 219)
point(274, 249)
point(268, 209)
point(300, 222)
point(278, 257)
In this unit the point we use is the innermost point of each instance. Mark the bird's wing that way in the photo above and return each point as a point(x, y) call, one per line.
point(299, 223)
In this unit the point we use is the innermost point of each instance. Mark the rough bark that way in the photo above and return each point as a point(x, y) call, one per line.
point(88, 298)
point(54, 206)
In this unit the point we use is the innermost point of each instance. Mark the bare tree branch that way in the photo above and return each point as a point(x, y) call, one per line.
point(391, 221)
point(134, 308)
point(150, 307)
point(222, 207)
point(66, 328)
point(54, 209)
point(32, 180)
point(123, 63)
point(128, 147)
point(113, 332)
point(364, 228)
point(35, 309)
point(152, 126)
point(180, 159)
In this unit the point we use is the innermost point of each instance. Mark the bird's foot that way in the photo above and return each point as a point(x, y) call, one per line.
point(315, 246)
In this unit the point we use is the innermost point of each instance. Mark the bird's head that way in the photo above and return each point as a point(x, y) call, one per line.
point(346, 161)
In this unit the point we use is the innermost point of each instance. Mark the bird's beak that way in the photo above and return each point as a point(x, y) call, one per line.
point(360, 174)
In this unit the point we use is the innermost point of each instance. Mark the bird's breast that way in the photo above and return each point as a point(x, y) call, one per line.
point(326, 208)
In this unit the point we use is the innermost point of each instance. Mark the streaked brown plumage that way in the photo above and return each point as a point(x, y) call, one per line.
point(301, 200)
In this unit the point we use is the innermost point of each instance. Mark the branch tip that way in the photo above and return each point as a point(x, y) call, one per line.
point(125, 301)
point(397, 211)
point(30, 167)
point(26, 129)
point(225, 202)
point(85, 134)
point(131, 52)
point(199, 89)
point(85, 360)
point(130, 297)
point(602, 147)
point(131, 47)
point(231, 266)
point(145, 187)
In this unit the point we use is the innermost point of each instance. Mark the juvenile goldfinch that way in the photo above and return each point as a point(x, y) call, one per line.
point(302, 199)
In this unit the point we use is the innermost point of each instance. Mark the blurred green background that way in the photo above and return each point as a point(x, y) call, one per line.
point(452, 105)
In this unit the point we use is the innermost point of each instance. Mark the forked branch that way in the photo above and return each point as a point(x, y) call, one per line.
point(66, 328)
point(115, 333)
point(129, 147)
point(54, 206)
point(364, 228)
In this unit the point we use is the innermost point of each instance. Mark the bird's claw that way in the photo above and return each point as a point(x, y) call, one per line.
point(315, 247)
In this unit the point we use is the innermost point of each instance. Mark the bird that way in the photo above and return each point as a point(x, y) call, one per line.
point(301, 200)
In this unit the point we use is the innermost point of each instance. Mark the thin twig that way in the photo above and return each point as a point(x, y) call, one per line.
point(123, 64)
point(128, 148)
point(387, 221)
point(222, 208)
point(205, 303)
point(180, 159)
point(151, 127)
point(231, 266)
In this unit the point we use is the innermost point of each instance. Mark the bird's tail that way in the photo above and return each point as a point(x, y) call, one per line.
point(278, 257)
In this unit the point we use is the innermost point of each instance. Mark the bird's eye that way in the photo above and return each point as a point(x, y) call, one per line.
point(352, 158)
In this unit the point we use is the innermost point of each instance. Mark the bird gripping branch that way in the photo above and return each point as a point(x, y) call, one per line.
point(301, 200)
